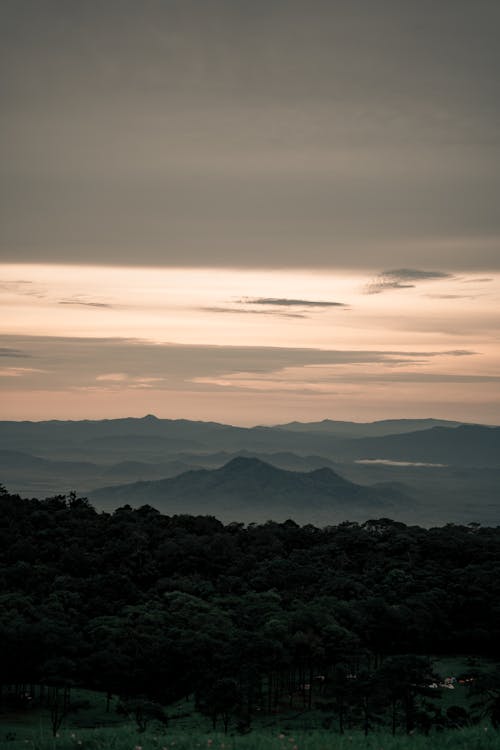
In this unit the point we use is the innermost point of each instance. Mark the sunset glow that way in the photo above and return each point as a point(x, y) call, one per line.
point(247, 346)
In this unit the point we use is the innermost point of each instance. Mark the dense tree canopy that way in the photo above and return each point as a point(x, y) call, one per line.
point(244, 617)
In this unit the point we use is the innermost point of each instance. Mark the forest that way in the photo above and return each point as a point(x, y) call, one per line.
point(247, 620)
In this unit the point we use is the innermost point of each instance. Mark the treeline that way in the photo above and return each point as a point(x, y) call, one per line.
point(258, 618)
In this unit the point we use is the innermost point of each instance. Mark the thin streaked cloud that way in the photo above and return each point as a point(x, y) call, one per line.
point(243, 311)
point(403, 278)
point(83, 303)
point(283, 302)
point(5, 351)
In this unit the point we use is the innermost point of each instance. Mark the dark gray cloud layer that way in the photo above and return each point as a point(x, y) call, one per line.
point(403, 278)
point(6, 351)
point(275, 306)
point(265, 133)
point(82, 303)
point(415, 274)
point(284, 302)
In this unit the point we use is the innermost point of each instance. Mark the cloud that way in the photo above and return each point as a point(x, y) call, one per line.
point(403, 278)
point(18, 372)
point(114, 363)
point(276, 129)
point(241, 311)
point(15, 284)
point(83, 303)
point(23, 288)
point(452, 296)
point(284, 302)
point(123, 378)
point(7, 352)
point(413, 274)
point(275, 306)
point(484, 280)
point(113, 377)
point(417, 377)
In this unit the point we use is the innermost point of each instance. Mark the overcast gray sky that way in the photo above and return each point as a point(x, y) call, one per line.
point(278, 133)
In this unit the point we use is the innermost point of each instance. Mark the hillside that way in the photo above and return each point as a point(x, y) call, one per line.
point(467, 445)
point(250, 489)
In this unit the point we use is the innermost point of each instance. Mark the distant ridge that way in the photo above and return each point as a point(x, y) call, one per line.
point(368, 429)
point(40, 459)
point(153, 440)
point(465, 445)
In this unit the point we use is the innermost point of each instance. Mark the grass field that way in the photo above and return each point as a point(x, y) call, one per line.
point(92, 728)
point(126, 738)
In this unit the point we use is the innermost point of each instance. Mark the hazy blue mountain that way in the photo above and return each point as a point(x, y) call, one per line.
point(448, 494)
point(155, 440)
point(142, 447)
point(143, 470)
point(14, 460)
point(125, 439)
point(26, 474)
point(283, 460)
point(250, 489)
point(467, 445)
point(367, 429)
point(45, 458)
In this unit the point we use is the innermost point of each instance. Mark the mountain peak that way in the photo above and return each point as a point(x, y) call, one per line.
point(324, 472)
point(240, 463)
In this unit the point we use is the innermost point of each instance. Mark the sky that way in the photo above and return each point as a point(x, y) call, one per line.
point(250, 212)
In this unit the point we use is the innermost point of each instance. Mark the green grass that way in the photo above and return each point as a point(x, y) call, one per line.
point(453, 666)
point(127, 738)
point(91, 728)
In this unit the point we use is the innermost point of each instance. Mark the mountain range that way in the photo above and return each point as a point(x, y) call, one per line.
point(367, 429)
point(449, 470)
point(152, 440)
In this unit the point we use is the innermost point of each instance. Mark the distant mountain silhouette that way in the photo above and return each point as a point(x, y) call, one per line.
point(135, 469)
point(467, 445)
point(10, 460)
point(248, 487)
point(283, 460)
point(47, 458)
point(154, 440)
point(367, 429)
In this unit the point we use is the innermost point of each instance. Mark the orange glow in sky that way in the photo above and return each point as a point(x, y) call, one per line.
point(247, 346)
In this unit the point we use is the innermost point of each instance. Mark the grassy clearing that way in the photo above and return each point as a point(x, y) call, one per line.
point(127, 738)
point(92, 728)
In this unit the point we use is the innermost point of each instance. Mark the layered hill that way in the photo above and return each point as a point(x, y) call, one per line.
point(250, 489)
point(31, 475)
point(367, 429)
point(155, 440)
point(466, 445)
point(449, 469)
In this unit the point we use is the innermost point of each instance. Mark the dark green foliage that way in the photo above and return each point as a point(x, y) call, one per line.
point(263, 618)
point(222, 699)
point(486, 691)
point(143, 712)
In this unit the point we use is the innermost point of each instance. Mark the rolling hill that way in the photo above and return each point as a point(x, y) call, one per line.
point(251, 490)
